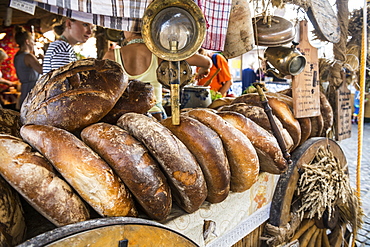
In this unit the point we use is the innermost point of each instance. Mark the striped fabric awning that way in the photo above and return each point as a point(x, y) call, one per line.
point(126, 15)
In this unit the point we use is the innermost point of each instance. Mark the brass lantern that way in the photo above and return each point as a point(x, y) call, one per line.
point(173, 30)
point(287, 60)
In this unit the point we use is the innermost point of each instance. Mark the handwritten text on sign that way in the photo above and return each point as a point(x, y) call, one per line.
point(343, 113)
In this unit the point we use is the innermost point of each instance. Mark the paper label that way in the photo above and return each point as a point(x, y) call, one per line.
point(25, 6)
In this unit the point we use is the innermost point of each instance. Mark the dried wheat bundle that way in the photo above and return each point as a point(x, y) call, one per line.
point(323, 182)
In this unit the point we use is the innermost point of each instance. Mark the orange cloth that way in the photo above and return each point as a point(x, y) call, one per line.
point(223, 76)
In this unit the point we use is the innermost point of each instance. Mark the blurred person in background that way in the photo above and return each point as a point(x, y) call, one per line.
point(222, 82)
point(27, 66)
point(4, 83)
point(139, 63)
point(61, 52)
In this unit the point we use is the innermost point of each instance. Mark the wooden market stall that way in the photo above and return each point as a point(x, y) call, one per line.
point(271, 148)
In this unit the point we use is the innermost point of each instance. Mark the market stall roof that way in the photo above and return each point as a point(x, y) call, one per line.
point(41, 17)
point(126, 15)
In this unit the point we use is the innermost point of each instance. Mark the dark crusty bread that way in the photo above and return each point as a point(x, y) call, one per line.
point(83, 169)
point(75, 95)
point(327, 114)
point(258, 115)
point(12, 220)
point(130, 159)
point(317, 124)
point(206, 146)
point(242, 156)
point(10, 122)
point(36, 180)
point(280, 110)
point(184, 174)
point(270, 156)
point(138, 97)
point(304, 122)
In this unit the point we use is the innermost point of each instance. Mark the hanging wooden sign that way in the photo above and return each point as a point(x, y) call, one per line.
point(343, 113)
point(305, 86)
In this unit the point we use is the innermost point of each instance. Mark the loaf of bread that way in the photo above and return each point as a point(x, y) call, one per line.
point(138, 97)
point(10, 122)
point(217, 103)
point(242, 156)
point(270, 156)
point(130, 159)
point(206, 146)
point(12, 221)
point(75, 95)
point(258, 115)
point(183, 172)
point(327, 114)
point(280, 110)
point(304, 122)
point(35, 179)
point(317, 124)
point(82, 168)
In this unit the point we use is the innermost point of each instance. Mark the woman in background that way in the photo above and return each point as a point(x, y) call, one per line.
point(139, 63)
point(27, 66)
point(61, 52)
point(3, 81)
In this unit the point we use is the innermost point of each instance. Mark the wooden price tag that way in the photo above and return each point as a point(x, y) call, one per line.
point(343, 124)
point(305, 86)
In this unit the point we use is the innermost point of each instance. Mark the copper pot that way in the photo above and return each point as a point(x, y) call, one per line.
point(273, 31)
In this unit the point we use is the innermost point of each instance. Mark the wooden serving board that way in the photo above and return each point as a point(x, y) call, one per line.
point(305, 86)
point(343, 112)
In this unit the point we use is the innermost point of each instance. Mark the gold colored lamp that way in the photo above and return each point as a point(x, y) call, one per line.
point(287, 60)
point(173, 30)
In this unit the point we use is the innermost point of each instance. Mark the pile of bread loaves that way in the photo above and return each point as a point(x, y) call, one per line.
point(83, 141)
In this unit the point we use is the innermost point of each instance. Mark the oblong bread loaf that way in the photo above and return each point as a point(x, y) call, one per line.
point(258, 115)
point(206, 146)
point(317, 123)
point(270, 156)
point(304, 122)
point(184, 174)
point(130, 159)
point(82, 168)
point(35, 179)
point(280, 110)
point(217, 103)
point(327, 114)
point(75, 95)
point(12, 220)
point(242, 156)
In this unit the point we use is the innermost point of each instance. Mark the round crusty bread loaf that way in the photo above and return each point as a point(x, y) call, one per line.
point(280, 110)
point(206, 146)
point(12, 221)
point(270, 156)
point(75, 95)
point(35, 179)
point(130, 159)
point(242, 156)
point(138, 97)
point(184, 174)
point(83, 169)
point(258, 115)
point(10, 122)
